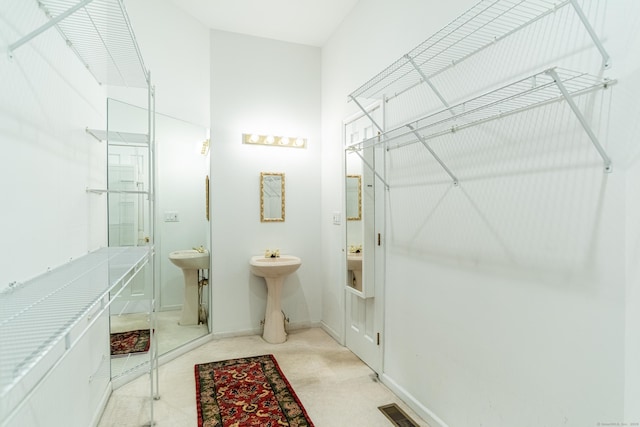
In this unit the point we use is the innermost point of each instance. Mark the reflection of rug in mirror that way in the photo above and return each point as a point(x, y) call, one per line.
point(250, 391)
point(130, 342)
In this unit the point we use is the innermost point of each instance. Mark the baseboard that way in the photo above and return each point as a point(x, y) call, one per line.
point(258, 331)
point(425, 413)
point(332, 333)
point(102, 406)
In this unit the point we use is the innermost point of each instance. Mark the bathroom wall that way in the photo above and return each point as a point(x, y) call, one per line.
point(516, 302)
point(175, 48)
point(267, 87)
point(47, 99)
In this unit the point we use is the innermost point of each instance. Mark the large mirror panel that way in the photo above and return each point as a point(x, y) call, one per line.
point(359, 207)
point(182, 167)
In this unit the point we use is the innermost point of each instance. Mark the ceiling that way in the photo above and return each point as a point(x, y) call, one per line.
point(309, 22)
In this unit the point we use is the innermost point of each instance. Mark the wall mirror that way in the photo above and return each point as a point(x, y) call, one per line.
point(354, 197)
point(359, 207)
point(272, 197)
point(181, 170)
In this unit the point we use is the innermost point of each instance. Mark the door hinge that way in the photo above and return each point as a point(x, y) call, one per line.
point(378, 338)
point(378, 239)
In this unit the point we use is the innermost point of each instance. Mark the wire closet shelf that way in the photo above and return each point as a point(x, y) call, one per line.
point(530, 92)
point(38, 318)
point(100, 34)
point(479, 27)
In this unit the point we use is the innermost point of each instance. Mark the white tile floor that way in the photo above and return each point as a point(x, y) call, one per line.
point(335, 387)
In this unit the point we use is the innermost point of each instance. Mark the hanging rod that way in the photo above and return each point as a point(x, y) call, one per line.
point(479, 27)
point(547, 86)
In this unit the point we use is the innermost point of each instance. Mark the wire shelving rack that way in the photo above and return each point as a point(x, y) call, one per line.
point(43, 318)
point(100, 34)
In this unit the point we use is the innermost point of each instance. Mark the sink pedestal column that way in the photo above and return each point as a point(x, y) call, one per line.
point(189, 314)
point(274, 319)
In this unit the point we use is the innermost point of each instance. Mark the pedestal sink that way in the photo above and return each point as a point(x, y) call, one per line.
point(274, 271)
point(354, 263)
point(190, 261)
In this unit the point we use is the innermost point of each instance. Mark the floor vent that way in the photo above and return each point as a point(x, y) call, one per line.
point(397, 416)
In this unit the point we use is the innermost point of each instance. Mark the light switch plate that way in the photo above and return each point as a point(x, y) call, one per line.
point(171, 217)
point(337, 218)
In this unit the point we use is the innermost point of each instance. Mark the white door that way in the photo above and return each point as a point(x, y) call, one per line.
point(364, 302)
point(128, 223)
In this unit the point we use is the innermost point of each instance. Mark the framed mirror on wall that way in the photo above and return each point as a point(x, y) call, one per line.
point(272, 197)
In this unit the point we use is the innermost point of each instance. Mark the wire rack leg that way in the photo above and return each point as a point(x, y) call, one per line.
point(582, 120)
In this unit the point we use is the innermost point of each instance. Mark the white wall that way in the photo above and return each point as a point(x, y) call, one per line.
point(175, 48)
point(509, 300)
point(266, 87)
point(47, 98)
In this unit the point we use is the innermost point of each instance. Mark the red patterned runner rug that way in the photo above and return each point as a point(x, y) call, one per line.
point(250, 391)
point(130, 342)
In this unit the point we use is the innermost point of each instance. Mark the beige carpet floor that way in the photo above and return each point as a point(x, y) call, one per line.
point(335, 387)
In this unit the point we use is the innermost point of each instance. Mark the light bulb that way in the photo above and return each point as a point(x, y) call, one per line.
point(270, 139)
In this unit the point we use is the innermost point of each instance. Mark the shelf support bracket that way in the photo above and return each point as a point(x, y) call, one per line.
point(52, 22)
point(582, 120)
point(606, 59)
point(435, 156)
point(428, 82)
point(366, 113)
point(372, 169)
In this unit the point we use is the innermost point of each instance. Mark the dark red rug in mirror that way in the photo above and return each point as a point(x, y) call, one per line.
point(250, 391)
point(130, 342)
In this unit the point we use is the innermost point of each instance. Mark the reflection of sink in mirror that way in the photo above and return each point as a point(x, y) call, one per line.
point(274, 271)
point(354, 265)
point(190, 261)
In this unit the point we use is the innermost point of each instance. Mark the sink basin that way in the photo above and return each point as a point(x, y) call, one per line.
point(274, 267)
point(190, 259)
point(354, 262)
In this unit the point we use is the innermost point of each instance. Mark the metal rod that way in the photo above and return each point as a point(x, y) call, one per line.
point(435, 156)
point(606, 59)
point(428, 82)
point(364, 110)
point(90, 132)
point(581, 119)
point(45, 27)
point(102, 190)
point(386, 186)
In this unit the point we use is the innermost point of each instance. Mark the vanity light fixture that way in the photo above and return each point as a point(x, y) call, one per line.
point(279, 141)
